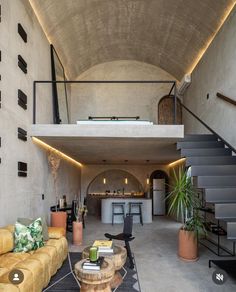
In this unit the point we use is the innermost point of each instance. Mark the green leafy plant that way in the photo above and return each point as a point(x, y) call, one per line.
point(184, 203)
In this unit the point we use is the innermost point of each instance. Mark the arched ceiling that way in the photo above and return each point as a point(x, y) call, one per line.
point(167, 33)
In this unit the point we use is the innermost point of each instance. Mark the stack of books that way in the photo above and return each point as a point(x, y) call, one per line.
point(93, 266)
point(104, 246)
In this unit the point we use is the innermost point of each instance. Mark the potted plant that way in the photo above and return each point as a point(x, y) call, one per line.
point(183, 203)
point(58, 219)
point(80, 211)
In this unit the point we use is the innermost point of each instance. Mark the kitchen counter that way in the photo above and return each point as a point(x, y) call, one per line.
point(106, 209)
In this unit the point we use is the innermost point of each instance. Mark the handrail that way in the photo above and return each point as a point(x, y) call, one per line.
point(54, 82)
point(209, 128)
point(226, 98)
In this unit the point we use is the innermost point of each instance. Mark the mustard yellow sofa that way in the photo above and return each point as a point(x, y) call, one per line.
point(37, 266)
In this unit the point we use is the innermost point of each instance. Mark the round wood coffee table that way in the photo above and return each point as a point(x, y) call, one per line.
point(118, 257)
point(95, 281)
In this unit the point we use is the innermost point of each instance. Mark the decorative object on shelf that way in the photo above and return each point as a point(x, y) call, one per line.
point(183, 203)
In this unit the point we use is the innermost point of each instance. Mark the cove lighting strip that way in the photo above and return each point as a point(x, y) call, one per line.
point(176, 162)
point(59, 153)
point(204, 49)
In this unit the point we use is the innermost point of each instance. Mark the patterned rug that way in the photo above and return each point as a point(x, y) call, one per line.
point(64, 281)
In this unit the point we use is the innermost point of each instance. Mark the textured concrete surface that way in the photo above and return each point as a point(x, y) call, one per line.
point(119, 99)
point(155, 251)
point(22, 196)
point(166, 33)
point(114, 143)
point(215, 73)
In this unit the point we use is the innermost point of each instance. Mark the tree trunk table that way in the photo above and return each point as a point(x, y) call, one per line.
point(95, 281)
point(118, 258)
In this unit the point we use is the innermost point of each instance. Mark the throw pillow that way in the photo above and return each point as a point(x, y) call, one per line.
point(28, 237)
point(28, 221)
point(36, 232)
point(23, 239)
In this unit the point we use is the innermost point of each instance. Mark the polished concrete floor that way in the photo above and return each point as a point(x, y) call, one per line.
point(155, 250)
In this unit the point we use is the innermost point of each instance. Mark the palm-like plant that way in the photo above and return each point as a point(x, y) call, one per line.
point(184, 202)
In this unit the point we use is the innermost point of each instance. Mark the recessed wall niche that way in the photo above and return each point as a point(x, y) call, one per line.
point(22, 134)
point(22, 169)
point(22, 32)
point(22, 64)
point(22, 99)
point(114, 180)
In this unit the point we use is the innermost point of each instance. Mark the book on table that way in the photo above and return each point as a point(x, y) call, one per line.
point(104, 246)
point(94, 266)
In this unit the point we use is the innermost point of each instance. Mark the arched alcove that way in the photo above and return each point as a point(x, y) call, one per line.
point(115, 180)
point(166, 111)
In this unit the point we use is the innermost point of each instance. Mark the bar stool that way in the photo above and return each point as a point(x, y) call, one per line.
point(135, 205)
point(121, 207)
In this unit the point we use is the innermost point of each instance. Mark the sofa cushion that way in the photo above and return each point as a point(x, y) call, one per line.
point(25, 286)
point(46, 263)
point(28, 221)
point(56, 232)
point(9, 260)
point(6, 287)
point(51, 251)
point(36, 269)
point(28, 237)
point(6, 241)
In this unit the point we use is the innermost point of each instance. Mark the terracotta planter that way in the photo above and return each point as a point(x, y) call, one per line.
point(58, 219)
point(188, 247)
point(77, 233)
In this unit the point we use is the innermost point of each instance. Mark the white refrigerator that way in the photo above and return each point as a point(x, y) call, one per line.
point(159, 206)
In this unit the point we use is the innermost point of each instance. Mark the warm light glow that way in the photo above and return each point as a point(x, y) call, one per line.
point(39, 20)
point(126, 180)
point(177, 162)
point(203, 50)
point(59, 153)
point(104, 180)
point(44, 30)
point(147, 181)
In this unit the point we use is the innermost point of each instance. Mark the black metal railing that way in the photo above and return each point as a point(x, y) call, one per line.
point(209, 128)
point(55, 104)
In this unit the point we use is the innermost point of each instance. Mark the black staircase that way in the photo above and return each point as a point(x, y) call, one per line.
point(213, 168)
point(217, 181)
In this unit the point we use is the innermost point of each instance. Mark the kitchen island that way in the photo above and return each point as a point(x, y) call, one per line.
point(106, 209)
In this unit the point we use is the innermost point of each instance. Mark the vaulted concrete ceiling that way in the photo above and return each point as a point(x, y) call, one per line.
point(166, 33)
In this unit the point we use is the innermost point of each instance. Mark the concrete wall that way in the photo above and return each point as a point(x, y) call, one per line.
point(216, 72)
point(119, 99)
point(89, 172)
point(21, 196)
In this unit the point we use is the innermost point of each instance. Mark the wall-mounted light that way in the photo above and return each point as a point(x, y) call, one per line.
point(104, 180)
point(147, 181)
point(126, 180)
